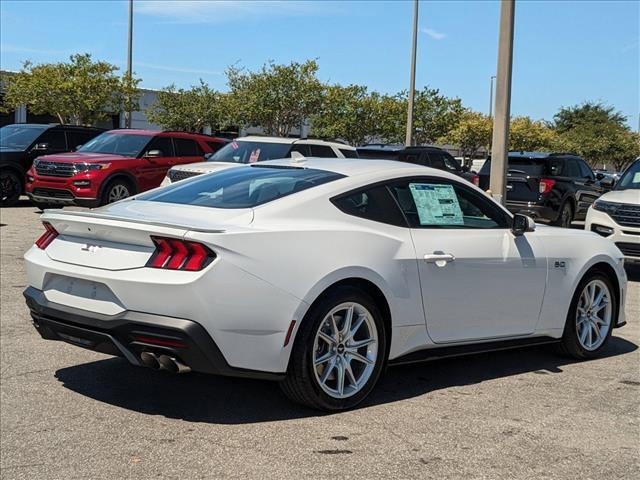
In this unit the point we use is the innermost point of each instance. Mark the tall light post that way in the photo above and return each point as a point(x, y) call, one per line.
point(493, 77)
point(412, 81)
point(127, 123)
point(500, 143)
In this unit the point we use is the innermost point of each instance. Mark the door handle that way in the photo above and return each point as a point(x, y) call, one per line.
point(439, 258)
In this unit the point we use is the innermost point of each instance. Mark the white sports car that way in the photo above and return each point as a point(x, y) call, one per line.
point(318, 273)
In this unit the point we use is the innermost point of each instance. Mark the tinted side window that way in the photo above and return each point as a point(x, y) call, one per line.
point(417, 158)
point(186, 147)
point(585, 170)
point(451, 163)
point(437, 160)
point(438, 203)
point(322, 151)
point(374, 204)
point(164, 144)
point(348, 153)
point(55, 139)
point(215, 146)
point(301, 148)
point(572, 169)
point(77, 138)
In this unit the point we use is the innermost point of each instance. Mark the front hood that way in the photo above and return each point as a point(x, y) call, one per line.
point(622, 196)
point(87, 157)
point(206, 167)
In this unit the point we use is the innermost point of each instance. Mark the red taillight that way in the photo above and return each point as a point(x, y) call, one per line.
point(159, 341)
point(546, 184)
point(476, 180)
point(176, 254)
point(47, 237)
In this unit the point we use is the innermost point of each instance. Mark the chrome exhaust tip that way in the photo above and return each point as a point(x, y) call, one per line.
point(172, 365)
point(150, 360)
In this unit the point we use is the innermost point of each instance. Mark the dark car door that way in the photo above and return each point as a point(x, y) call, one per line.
point(588, 189)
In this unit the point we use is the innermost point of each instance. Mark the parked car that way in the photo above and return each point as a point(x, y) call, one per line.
point(616, 214)
point(254, 148)
point(113, 166)
point(555, 188)
point(318, 273)
point(426, 155)
point(20, 143)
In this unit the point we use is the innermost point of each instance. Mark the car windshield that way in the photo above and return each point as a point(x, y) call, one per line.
point(127, 145)
point(20, 136)
point(244, 187)
point(630, 178)
point(240, 151)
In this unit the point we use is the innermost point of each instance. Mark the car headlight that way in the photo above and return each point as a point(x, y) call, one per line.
point(87, 167)
point(606, 207)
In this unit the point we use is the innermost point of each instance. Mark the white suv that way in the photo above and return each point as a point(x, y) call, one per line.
point(616, 214)
point(252, 149)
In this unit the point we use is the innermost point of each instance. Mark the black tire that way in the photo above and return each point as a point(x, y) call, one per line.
point(570, 344)
point(565, 217)
point(113, 186)
point(11, 187)
point(300, 384)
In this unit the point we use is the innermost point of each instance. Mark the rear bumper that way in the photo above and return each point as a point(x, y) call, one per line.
point(538, 212)
point(123, 335)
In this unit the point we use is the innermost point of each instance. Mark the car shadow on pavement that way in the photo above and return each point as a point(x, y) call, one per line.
point(221, 400)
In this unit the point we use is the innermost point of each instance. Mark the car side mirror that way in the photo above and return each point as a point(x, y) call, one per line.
point(41, 147)
point(207, 156)
point(153, 154)
point(607, 182)
point(522, 224)
point(77, 147)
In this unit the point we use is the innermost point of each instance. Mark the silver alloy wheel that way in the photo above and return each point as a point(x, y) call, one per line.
point(118, 192)
point(593, 315)
point(345, 350)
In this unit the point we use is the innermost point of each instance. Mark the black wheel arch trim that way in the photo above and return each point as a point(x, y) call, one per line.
point(117, 175)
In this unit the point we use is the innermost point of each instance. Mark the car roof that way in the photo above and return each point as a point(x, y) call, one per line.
point(351, 167)
point(47, 126)
point(291, 141)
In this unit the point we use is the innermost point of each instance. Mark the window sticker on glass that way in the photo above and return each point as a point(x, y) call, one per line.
point(254, 156)
point(436, 204)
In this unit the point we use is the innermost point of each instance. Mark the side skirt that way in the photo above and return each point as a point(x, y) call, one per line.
point(435, 353)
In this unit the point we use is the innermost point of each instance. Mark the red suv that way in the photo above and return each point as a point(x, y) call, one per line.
point(113, 166)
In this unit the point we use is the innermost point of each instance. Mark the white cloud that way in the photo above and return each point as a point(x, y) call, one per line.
point(433, 33)
point(170, 68)
point(204, 11)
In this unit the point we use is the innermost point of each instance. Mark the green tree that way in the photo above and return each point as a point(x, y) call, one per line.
point(434, 115)
point(391, 117)
point(529, 135)
point(189, 110)
point(472, 132)
point(277, 98)
point(587, 113)
point(80, 91)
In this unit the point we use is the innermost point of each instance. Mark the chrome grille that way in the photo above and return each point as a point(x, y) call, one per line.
point(55, 169)
point(627, 214)
point(176, 175)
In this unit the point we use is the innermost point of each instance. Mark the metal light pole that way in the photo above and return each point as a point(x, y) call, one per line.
point(500, 143)
point(493, 77)
point(127, 123)
point(412, 82)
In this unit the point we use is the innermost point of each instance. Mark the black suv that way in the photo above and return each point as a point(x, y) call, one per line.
point(427, 155)
point(555, 188)
point(21, 143)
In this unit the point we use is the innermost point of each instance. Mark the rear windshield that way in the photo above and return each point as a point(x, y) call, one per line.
point(240, 151)
point(529, 166)
point(243, 187)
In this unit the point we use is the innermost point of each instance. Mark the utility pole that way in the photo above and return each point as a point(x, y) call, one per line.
point(127, 122)
point(412, 82)
point(500, 143)
point(493, 77)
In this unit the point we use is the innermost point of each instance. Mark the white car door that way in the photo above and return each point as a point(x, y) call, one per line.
point(478, 280)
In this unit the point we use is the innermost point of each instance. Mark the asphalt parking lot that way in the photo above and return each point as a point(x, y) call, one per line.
point(67, 413)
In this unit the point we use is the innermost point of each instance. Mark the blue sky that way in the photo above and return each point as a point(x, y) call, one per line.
point(565, 52)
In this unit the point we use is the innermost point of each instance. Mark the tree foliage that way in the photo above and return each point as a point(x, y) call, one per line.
point(79, 91)
point(278, 98)
point(189, 110)
point(472, 132)
point(434, 115)
point(531, 135)
point(587, 113)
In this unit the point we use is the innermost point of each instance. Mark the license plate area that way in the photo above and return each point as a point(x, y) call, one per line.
point(81, 293)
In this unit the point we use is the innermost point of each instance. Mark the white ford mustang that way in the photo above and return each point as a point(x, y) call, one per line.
point(318, 273)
